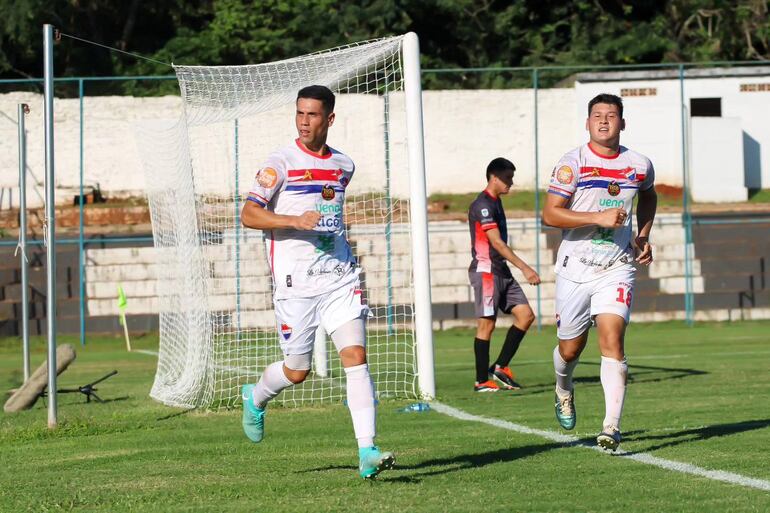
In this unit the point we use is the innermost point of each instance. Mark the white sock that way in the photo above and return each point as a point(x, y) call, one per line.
point(271, 383)
point(563, 371)
point(613, 374)
point(361, 403)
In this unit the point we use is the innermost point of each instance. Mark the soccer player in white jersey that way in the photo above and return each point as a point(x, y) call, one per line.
point(297, 199)
point(591, 197)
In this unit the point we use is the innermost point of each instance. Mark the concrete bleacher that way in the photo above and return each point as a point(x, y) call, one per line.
point(729, 276)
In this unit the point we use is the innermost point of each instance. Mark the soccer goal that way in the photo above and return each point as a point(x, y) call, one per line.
point(217, 326)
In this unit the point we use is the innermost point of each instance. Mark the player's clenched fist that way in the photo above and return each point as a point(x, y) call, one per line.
point(612, 218)
point(307, 221)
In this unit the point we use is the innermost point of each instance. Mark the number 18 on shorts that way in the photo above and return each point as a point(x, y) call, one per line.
point(577, 303)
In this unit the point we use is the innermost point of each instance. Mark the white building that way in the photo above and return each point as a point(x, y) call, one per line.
point(725, 124)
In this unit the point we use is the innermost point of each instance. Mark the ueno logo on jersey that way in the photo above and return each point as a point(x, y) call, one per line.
point(285, 331)
point(328, 208)
point(611, 203)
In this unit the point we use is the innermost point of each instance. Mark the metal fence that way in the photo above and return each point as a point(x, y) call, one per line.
point(535, 115)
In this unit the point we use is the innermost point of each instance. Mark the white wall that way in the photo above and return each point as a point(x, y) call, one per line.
point(464, 130)
point(717, 160)
point(654, 124)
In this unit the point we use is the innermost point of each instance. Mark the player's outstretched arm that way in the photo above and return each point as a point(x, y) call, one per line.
point(556, 214)
point(645, 214)
point(505, 250)
point(254, 216)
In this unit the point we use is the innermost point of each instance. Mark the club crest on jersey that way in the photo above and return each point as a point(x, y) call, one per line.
point(613, 188)
point(344, 181)
point(564, 175)
point(267, 177)
point(327, 192)
point(484, 212)
point(286, 331)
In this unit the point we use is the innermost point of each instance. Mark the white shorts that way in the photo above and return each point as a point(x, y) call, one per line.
point(578, 303)
point(298, 318)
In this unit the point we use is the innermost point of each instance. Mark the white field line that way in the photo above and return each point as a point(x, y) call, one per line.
point(569, 440)
point(146, 351)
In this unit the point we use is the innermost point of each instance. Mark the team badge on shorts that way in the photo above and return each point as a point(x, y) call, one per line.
point(613, 188)
point(558, 321)
point(327, 192)
point(286, 331)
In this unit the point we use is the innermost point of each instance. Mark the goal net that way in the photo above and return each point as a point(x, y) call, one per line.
point(217, 325)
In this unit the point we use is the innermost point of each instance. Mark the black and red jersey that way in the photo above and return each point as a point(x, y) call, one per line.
point(485, 213)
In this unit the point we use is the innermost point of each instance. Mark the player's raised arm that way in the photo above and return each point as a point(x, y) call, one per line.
point(259, 218)
point(561, 189)
point(267, 183)
point(497, 242)
point(556, 214)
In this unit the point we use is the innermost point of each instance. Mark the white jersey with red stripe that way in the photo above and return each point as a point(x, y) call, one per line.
point(293, 180)
point(593, 183)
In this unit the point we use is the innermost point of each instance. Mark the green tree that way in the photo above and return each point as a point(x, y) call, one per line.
point(453, 33)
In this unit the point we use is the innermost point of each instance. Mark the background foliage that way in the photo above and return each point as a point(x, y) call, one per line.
point(453, 33)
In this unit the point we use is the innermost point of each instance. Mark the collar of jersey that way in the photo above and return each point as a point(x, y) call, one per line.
point(608, 157)
point(314, 154)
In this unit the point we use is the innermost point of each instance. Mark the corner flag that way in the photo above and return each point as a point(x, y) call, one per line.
point(122, 304)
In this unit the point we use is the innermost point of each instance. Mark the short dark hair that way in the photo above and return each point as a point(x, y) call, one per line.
point(319, 92)
point(609, 99)
point(499, 166)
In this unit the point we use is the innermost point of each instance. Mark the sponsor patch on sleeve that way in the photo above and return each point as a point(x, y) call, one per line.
point(267, 177)
point(564, 175)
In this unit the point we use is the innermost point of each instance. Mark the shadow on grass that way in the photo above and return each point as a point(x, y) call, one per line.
point(176, 414)
point(697, 434)
point(636, 374)
point(439, 466)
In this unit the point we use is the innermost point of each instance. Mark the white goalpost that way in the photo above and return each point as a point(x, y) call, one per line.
point(217, 326)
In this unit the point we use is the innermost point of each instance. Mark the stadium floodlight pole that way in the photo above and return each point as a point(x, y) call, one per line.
point(23, 109)
point(50, 221)
point(423, 319)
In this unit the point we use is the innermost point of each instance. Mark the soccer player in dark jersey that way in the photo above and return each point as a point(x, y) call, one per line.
point(493, 284)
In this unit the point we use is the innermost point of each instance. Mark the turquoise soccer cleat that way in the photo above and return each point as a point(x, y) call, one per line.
point(253, 417)
point(372, 461)
point(565, 410)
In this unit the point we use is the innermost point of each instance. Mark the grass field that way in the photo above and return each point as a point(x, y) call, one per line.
point(524, 200)
point(697, 396)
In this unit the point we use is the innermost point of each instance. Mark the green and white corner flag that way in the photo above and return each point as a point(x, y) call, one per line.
point(122, 304)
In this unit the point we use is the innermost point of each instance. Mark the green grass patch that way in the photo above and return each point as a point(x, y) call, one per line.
point(694, 396)
point(759, 196)
point(517, 200)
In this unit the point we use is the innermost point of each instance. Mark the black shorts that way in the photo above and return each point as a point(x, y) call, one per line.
point(493, 293)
